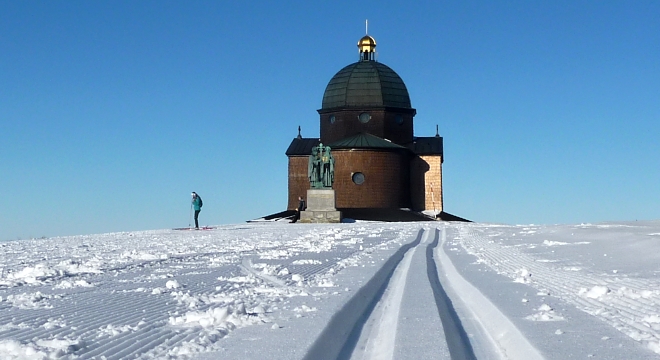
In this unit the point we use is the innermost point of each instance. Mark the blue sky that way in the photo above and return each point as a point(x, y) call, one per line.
point(111, 113)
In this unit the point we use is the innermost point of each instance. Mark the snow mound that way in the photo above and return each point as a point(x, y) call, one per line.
point(41, 349)
point(172, 284)
point(223, 319)
point(307, 262)
point(68, 284)
point(35, 300)
point(523, 276)
point(595, 292)
point(545, 313)
point(554, 243)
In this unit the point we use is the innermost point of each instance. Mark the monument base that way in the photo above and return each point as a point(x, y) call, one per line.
point(321, 216)
point(320, 207)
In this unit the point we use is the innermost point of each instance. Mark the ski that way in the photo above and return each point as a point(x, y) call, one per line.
point(192, 228)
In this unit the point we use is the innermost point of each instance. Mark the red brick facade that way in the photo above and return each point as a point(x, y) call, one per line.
point(396, 126)
point(386, 179)
point(298, 181)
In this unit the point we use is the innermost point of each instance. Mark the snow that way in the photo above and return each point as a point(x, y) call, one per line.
point(355, 290)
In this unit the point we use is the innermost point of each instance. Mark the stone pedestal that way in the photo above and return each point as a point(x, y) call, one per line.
point(320, 207)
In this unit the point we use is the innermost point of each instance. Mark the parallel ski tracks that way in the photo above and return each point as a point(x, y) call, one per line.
point(378, 320)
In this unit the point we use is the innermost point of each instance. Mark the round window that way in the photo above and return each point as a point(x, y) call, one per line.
point(399, 119)
point(358, 178)
point(364, 118)
point(332, 119)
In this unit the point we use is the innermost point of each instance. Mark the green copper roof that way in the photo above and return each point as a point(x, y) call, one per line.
point(364, 141)
point(366, 84)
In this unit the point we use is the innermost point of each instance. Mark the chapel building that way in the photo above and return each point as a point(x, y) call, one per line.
point(366, 117)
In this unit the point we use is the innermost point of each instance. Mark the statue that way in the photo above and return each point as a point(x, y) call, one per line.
point(321, 168)
point(328, 168)
point(314, 169)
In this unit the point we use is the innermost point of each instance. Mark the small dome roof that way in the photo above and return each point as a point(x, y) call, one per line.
point(365, 141)
point(366, 84)
point(367, 43)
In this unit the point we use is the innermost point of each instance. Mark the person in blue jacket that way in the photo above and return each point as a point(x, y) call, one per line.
point(197, 205)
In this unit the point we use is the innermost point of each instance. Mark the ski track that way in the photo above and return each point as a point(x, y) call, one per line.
point(624, 305)
point(420, 311)
point(379, 337)
point(494, 335)
point(341, 338)
point(381, 322)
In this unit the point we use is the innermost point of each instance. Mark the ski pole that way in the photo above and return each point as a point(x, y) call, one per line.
point(190, 216)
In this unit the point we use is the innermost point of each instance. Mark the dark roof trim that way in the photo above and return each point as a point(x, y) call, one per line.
point(427, 145)
point(302, 146)
point(369, 108)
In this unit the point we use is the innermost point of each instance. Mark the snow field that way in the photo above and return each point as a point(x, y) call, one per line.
point(362, 290)
point(166, 294)
point(622, 301)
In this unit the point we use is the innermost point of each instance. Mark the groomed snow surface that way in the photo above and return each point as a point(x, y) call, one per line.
point(346, 291)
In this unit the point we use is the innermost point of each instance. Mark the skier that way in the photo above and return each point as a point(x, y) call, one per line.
point(197, 205)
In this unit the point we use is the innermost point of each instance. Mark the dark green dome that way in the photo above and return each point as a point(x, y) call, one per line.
point(366, 84)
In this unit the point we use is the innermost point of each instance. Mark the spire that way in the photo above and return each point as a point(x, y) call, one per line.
point(437, 134)
point(299, 136)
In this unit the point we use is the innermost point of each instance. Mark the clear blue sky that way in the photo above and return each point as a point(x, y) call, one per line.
point(112, 112)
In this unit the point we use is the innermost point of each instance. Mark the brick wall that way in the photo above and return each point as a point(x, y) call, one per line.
point(298, 181)
point(433, 182)
point(382, 124)
point(418, 170)
point(386, 173)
